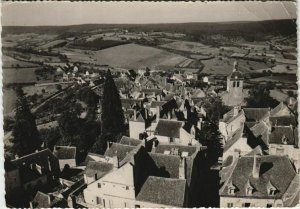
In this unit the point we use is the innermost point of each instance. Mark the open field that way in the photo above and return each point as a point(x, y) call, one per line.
point(192, 47)
point(52, 44)
point(126, 56)
point(9, 62)
point(278, 78)
point(21, 75)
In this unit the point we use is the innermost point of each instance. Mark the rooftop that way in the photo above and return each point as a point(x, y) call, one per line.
point(99, 168)
point(130, 141)
point(255, 114)
point(275, 169)
point(119, 150)
point(165, 191)
point(168, 128)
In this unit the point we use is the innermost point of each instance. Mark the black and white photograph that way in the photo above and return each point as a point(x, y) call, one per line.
point(150, 104)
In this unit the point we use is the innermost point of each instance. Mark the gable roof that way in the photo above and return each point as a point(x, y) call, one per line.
point(229, 116)
point(280, 110)
point(130, 141)
point(65, 152)
point(41, 200)
point(157, 104)
point(277, 169)
point(119, 150)
point(283, 120)
point(235, 137)
point(280, 132)
point(167, 163)
point(98, 168)
point(255, 114)
point(168, 128)
point(236, 74)
point(165, 191)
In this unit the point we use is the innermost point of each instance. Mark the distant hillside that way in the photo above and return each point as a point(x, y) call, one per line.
point(273, 27)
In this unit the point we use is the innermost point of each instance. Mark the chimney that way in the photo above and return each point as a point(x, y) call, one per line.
point(153, 146)
point(169, 115)
point(116, 161)
point(157, 113)
point(49, 163)
point(236, 155)
point(134, 115)
point(49, 199)
point(158, 97)
point(182, 168)
point(30, 205)
point(256, 166)
point(199, 123)
point(235, 111)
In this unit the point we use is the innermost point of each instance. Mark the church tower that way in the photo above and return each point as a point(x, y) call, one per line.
point(235, 82)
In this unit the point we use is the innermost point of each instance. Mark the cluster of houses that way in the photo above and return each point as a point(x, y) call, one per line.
point(159, 163)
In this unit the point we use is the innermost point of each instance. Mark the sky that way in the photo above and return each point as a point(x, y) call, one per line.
point(73, 13)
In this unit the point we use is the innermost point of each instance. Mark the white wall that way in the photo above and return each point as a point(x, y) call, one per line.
point(135, 128)
point(255, 202)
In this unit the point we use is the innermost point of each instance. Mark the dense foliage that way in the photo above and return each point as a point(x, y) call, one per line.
point(259, 97)
point(26, 138)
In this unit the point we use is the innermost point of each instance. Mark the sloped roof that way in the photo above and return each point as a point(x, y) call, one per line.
point(157, 103)
point(161, 148)
point(130, 141)
point(41, 200)
point(278, 132)
point(99, 168)
point(235, 137)
point(119, 150)
point(277, 169)
point(261, 130)
point(168, 128)
point(229, 116)
point(280, 110)
point(91, 157)
point(168, 163)
point(65, 152)
point(255, 114)
point(236, 74)
point(165, 191)
point(283, 120)
point(157, 91)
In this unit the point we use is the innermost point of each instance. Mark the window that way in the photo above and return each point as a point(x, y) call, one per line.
point(231, 191)
point(127, 187)
point(246, 205)
point(99, 185)
point(272, 192)
point(233, 83)
point(249, 191)
point(237, 84)
point(269, 205)
point(104, 203)
point(98, 200)
point(229, 205)
point(137, 206)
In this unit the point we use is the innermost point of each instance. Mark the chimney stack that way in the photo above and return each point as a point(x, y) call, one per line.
point(134, 114)
point(182, 169)
point(235, 111)
point(157, 113)
point(116, 161)
point(256, 166)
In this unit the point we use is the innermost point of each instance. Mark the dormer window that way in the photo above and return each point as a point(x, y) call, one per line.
point(272, 190)
point(284, 139)
point(249, 188)
point(231, 188)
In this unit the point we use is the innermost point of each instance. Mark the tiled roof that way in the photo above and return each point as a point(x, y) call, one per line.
point(157, 91)
point(283, 120)
point(130, 141)
point(236, 75)
point(41, 200)
point(167, 163)
point(65, 152)
point(119, 150)
point(280, 110)
point(161, 148)
point(229, 116)
point(157, 103)
point(165, 191)
point(168, 128)
point(261, 130)
point(91, 157)
point(235, 137)
point(278, 133)
point(99, 168)
point(255, 114)
point(275, 169)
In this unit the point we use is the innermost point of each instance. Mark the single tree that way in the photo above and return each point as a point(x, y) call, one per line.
point(112, 117)
point(26, 138)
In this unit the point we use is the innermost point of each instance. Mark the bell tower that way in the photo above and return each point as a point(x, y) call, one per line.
point(235, 82)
